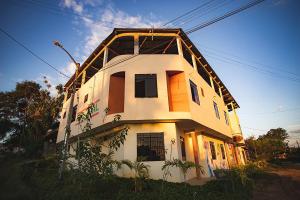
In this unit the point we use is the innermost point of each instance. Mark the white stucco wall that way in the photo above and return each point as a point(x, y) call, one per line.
point(149, 108)
point(130, 149)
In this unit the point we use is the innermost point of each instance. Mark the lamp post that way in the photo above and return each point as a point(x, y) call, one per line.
point(70, 112)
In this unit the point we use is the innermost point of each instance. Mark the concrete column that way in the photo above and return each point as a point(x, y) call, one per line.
point(194, 62)
point(196, 152)
point(212, 82)
point(105, 56)
point(66, 96)
point(136, 44)
point(234, 112)
point(83, 78)
point(179, 46)
point(221, 95)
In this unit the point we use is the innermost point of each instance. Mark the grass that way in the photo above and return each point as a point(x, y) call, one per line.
point(37, 179)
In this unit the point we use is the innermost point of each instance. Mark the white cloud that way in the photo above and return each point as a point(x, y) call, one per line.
point(100, 26)
point(69, 69)
point(72, 4)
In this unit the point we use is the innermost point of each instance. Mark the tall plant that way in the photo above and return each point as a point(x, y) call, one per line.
point(166, 170)
point(95, 153)
point(141, 172)
point(184, 166)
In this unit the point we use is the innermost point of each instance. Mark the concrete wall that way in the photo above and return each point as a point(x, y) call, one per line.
point(97, 88)
point(219, 162)
point(130, 149)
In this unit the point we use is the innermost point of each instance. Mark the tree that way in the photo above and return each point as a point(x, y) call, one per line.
point(94, 153)
point(268, 146)
point(27, 113)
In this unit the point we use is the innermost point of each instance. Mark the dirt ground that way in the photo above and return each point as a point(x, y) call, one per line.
point(283, 183)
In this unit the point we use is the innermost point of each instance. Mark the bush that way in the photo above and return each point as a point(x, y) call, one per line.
point(39, 180)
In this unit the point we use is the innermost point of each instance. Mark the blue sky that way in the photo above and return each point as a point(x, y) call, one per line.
point(255, 53)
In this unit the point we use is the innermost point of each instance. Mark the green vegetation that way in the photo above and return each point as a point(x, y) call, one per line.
point(27, 113)
point(270, 146)
point(184, 166)
point(141, 172)
point(38, 179)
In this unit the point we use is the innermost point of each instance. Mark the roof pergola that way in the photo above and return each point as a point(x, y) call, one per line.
point(228, 98)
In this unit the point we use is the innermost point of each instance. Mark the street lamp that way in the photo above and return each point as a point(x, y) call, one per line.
point(70, 112)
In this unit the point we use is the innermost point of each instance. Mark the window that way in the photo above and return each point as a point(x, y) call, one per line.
point(150, 146)
point(216, 110)
point(64, 115)
point(202, 92)
point(145, 85)
point(213, 150)
point(194, 92)
point(222, 151)
point(74, 114)
point(182, 144)
point(86, 97)
point(226, 117)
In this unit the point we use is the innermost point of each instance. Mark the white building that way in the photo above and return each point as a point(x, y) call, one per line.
point(164, 89)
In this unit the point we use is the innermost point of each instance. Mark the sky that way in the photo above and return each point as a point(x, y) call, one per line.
point(256, 53)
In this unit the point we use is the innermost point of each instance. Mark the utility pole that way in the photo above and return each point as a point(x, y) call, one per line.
point(70, 113)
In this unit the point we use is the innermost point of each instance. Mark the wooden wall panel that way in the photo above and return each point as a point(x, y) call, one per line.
point(177, 92)
point(116, 93)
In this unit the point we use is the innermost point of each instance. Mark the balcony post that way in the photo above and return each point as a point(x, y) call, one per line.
point(179, 46)
point(136, 44)
point(212, 82)
point(105, 56)
point(83, 77)
point(194, 62)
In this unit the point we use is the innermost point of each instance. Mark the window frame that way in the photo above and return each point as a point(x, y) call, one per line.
point(213, 150)
point(226, 118)
point(156, 146)
point(74, 113)
point(86, 98)
point(222, 151)
point(194, 92)
point(147, 78)
point(216, 110)
point(183, 151)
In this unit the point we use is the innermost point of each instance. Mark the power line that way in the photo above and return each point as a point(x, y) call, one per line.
point(278, 111)
point(207, 24)
point(207, 11)
point(243, 8)
point(187, 13)
point(254, 68)
point(228, 14)
point(213, 50)
point(31, 52)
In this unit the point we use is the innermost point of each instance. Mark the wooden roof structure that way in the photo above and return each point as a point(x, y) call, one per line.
point(228, 98)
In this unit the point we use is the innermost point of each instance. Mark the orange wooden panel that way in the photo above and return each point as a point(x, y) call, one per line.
point(177, 92)
point(116, 93)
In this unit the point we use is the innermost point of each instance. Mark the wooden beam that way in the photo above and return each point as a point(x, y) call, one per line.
point(164, 51)
point(94, 68)
point(143, 42)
